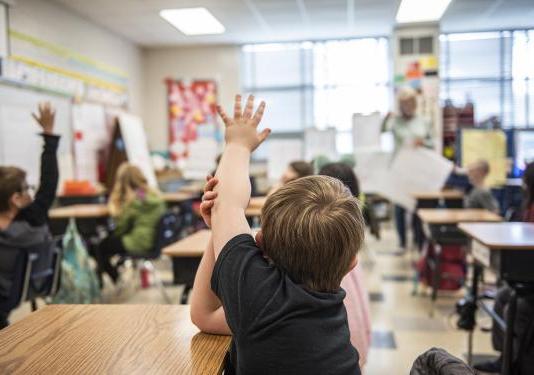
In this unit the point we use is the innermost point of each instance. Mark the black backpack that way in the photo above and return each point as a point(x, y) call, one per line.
point(524, 364)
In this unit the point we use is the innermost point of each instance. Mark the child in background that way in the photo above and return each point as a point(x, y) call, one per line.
point(23, 220)
point(295, 169)
point(480, 196)
point(525, 306)
point(280, 295)
point(136, 209)
point(357, 299)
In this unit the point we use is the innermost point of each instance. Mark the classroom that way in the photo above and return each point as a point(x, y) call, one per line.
point(267, 187)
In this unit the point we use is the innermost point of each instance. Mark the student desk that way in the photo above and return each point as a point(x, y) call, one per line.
point(507, 249)
point(105, 339)
point(441, 229)
point(79, 211)
point(178, 197)
point(257, 202)
point(186, 255)
point(443, 198)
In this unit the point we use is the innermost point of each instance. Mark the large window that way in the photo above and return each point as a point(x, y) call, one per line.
point(318, 84)
point(494, 70)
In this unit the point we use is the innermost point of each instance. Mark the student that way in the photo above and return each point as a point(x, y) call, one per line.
point(409, 130)
point(295, 169)
point(23, 220)
point(480, 196)
point(357, 299)
point(136, 209)
point(280, 297)
point(525, 306)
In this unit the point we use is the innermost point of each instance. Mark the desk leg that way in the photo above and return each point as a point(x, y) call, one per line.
point(436, 280)
point(477, 271)
point(508, 352)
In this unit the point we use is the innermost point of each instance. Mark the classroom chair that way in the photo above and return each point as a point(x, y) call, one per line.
point(168, 230)
point(34, 276)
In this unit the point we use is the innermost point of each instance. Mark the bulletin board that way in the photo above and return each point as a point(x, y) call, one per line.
point(490, 145)
point(20, 144)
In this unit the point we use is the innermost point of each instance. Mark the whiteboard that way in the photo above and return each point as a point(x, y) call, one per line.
point(20, 144)
point(136, 145)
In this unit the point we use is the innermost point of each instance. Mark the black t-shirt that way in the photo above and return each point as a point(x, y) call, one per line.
point(279, 327)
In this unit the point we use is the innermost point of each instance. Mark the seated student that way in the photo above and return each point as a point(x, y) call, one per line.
point(280, 296)
point(480, 196)
point(295, 169)
point(23, 221)
point(136, 209)
point(525, 306)
point(357, 299)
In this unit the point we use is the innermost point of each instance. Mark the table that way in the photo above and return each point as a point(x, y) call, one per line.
point(82, 211)
point(437, 195)
point(257, 202)
point(110, 339)
point(178, 197)
point(508, 249)
point(441, 229)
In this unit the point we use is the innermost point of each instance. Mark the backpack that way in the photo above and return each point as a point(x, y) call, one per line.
point(524, 363)
point(453, 266)
point(79, 282)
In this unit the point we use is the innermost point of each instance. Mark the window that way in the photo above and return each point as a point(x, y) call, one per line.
point(318, 84)
point(494, 70)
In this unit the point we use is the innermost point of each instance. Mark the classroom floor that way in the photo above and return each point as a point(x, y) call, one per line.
point(402, 326)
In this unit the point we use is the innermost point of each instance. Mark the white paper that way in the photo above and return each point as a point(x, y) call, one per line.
point(136, 145)
point(201, 160)
point(366, 130)
point(320, 143)
point(280, 153)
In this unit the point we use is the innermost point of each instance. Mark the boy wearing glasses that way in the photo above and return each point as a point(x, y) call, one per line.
point(23, 219)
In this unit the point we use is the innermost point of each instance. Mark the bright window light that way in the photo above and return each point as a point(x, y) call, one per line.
point(421, 10)
point(193, 21)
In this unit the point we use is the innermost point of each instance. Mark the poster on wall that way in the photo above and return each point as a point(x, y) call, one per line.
point(194, 133)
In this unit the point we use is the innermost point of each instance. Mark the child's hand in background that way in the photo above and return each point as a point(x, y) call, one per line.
point(208, 199)
point(243, 128)
point(46, 117)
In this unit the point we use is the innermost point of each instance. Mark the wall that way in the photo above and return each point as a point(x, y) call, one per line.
point(56, 24)
point(220, 63)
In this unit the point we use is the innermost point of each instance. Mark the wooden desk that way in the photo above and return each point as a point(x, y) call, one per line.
point(443, 194)
point(190, 246)
point(110, 339)
point(446, 216)
point(178, 197)
point(79, 211)
point(507, 249)
point(257, 202)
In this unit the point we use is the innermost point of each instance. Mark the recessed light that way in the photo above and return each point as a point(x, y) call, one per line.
point(193, 21)
point(421, 10)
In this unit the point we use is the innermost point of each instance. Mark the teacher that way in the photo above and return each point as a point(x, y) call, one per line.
point(409, 130)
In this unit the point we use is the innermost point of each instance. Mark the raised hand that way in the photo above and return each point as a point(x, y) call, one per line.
point(208, 199)
point(243, 128)
point(46, 117)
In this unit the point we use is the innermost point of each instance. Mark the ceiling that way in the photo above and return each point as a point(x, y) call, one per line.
point(277, 20)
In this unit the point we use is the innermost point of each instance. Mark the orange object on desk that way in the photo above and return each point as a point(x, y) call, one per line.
point(78, 187)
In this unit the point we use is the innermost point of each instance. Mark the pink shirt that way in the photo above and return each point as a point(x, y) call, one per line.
point(358, 314)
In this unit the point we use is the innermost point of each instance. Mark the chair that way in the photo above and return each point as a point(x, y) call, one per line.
point(168, 231)
point(35, 273)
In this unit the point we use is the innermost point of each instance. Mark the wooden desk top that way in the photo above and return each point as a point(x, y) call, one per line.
point(110, 339)
point(190, 246)
point(444, 194)
point(79, 211)
point(257, 202)
point(455, 215)
point(500, 236)
point(253, 211)
point(178, 197)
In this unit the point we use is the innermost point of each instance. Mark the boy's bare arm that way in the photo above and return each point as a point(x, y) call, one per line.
point(206, 309)
point(242, 137)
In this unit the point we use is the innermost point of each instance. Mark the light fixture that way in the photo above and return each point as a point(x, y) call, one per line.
point(193, 21)
point(421, 10)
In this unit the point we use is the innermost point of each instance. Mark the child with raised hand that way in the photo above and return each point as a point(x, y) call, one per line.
point(278, 296)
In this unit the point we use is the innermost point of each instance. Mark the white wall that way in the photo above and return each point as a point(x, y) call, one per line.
point(53, 23)
point(220, 63)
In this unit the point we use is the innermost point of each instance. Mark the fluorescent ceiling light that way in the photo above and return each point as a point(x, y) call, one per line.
point(421, 10)
point(193, 21)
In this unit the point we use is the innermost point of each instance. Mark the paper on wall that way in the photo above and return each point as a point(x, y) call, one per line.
point(320, 143)
point(280, 153)
point(201, 159)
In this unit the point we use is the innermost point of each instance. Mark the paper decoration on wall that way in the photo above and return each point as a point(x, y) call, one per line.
point(192, 114)
point(489, 145)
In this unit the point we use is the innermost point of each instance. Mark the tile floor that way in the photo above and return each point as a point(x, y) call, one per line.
point(402, 326)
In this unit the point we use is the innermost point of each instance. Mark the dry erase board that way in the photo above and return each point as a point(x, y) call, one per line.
point(20, 143)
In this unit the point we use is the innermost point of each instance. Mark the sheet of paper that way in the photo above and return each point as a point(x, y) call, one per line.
point(280, 153)
point(201, 160)
point(136, 145)
point(320, 143)
point(366, 130)
point(489, 145)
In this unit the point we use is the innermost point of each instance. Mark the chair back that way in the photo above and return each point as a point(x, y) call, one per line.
point(168, 230)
